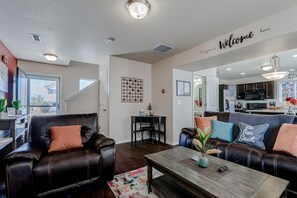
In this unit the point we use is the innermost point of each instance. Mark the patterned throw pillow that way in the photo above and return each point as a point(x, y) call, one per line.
point(252, 135)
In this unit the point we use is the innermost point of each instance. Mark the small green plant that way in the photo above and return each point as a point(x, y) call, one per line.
point(16, 104)
point(201, 142)
point(3, 103)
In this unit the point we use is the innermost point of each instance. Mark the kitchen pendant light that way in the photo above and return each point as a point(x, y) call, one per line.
point(138, 9)
point(276, 75)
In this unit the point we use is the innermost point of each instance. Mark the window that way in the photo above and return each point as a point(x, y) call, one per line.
point(43, 94)
point(83, 83)
point(287, 89)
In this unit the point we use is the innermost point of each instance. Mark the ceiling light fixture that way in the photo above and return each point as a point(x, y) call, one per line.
point(228, 69)
point(292, 70)
point(138, 9)
point(276, 75)
point(295, 56)
point(266, 67)
point(242, 73)
point(50, 57)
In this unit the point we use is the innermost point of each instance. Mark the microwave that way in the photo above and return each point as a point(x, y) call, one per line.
point(255, 95)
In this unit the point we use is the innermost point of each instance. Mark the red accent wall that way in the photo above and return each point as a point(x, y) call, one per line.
point(12, 64)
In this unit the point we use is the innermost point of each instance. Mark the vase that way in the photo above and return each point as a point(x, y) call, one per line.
point(3, 115)
point(203, 162)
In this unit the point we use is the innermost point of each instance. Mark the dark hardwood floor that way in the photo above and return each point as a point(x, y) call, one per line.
point(128, 157)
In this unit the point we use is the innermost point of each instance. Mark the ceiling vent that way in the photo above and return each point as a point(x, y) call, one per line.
point(162, 48)
point(36, 37)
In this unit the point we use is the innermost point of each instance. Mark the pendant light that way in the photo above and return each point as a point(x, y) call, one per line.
point(277, 74)
point(138, 9)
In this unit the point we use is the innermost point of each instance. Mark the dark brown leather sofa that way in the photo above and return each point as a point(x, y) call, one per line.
point(268, 161)
point(32, 172)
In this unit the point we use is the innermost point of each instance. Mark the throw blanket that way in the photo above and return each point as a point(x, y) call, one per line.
point(274, 121)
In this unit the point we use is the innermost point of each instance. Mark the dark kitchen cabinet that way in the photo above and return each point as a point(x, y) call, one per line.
point(268, 87)
point(240, 91)
point(270, 90)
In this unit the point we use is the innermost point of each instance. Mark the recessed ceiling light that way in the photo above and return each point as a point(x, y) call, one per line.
point(228, 69)
point(292, 70)
point(242, 73)
point(295, 56)
point(50, 57)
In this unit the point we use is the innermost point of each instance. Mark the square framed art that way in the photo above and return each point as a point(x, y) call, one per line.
point(132, 90)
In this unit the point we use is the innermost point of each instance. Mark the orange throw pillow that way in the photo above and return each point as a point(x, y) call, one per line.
point(286, 140)
point(65, 137)
point(203, 122)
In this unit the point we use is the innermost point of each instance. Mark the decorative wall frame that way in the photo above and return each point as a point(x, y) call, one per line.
point(183, 88)
point(3, 77)
point(132, 90)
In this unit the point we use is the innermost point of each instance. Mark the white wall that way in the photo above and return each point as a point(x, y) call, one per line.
point(183, 112)
point(120, 113)
point(69, 75)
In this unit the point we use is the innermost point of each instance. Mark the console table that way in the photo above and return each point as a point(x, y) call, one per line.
point(17, 126)
point(154, 120)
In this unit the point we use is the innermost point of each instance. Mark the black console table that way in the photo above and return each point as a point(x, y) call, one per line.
point(157, 121)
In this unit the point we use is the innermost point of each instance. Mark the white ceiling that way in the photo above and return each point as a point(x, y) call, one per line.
point(252, 67)
point(76, 30)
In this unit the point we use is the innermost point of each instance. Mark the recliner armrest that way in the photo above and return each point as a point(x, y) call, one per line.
point(106, 147)
point(99, 141)
point(27, 151)
point(21, 162)
point(189, 130)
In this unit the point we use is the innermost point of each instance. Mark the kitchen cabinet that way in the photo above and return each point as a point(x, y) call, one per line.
point(268, 87)
point(240, 89)
point(270, 90)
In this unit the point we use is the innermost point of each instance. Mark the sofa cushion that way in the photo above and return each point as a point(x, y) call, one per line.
point(65, 137)
point(59, 169)
point(204, 123)
point(242, 154)
point(286, 140)
point(252, 135)
point(222, 130)
point(282, 166)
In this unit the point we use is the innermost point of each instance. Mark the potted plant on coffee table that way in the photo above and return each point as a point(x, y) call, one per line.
point(3, 104)
point(17, 105)
point(201, 142)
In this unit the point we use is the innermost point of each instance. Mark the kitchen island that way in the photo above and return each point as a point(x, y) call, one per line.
point(267, 111)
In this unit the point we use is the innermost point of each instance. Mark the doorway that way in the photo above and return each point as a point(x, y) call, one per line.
point(43, 94)
point(199, 90)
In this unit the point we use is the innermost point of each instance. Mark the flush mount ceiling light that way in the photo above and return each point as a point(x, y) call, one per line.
point(138, 9)
point(266, 67)
point(50, 57)
point(276, 75)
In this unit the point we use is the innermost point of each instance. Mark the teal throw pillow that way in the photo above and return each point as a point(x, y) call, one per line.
point(222, 130)
point(252, 135)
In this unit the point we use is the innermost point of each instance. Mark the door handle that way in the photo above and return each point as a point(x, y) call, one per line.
point(104, 110)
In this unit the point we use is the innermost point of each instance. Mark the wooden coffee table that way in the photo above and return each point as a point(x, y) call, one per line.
point(182, 175)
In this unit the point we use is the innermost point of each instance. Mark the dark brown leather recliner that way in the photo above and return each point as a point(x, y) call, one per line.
point(32, 172)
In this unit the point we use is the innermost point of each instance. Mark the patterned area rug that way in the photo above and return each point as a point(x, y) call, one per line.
point(132, 184)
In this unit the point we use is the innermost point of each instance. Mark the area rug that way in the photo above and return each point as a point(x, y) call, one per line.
point(132, 184)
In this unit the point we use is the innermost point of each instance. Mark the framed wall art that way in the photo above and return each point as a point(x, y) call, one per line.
point(132, 90)
point(3, 77)
point(183, 88)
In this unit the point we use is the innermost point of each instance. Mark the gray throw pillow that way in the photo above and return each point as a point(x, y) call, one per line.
point(252, 135)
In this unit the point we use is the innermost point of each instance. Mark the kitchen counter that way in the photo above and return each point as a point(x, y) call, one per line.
point(266, 111)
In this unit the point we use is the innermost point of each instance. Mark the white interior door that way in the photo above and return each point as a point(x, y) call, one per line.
point(212, 93)
point(103, 111)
